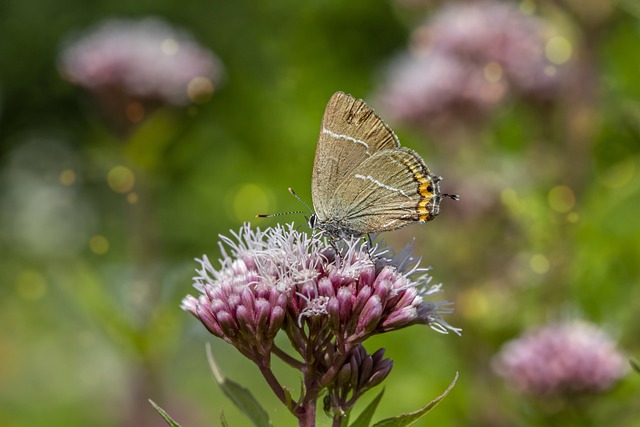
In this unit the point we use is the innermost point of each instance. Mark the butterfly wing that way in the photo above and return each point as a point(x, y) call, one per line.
point(351, 133)
point(388, 190)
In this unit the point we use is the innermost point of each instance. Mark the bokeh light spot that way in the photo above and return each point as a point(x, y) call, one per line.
point(473, 304)
point(573, 217)
point(132, 198)
point(31, 285)
point(135, 112)
point(200, 90)
point(170, 46)
point(99, 244)
point(67, 177)
point(561, 198)
point(493, 72)
point(121, 179)
point(250, 200)
point(558, 50)
point(539, 264)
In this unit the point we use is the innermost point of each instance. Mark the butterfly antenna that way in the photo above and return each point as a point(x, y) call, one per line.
point(451, 196)
point(293, 193)
point(279, 214)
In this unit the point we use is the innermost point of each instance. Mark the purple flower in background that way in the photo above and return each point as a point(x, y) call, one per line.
point(494, 33)
point(465, 60)
point(132, 67)
point(436, 85)
point(146, 59)
point(561, 359)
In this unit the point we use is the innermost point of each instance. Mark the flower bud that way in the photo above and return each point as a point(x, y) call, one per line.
point(361, 299)
point(345, 301)
point(227, 324)
point(344, 375)
point(275, 321)
point(333, 311)
point(370, 316)
point(245, 321)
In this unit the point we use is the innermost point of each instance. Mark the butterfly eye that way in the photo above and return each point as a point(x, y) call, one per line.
point(313, 221)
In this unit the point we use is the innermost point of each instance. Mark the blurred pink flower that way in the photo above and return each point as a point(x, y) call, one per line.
point(486, 32)
point(145, 59)
point(561, 359)
point(465, 60)
point(435, 85)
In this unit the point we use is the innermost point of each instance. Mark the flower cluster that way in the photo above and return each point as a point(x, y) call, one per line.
point(130, 68)
point(561, 359)
point(327, 298)
point(282, 277)
point(465, 60)
point(145, 59)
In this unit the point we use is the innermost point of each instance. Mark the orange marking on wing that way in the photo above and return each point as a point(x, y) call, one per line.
point(422, 190)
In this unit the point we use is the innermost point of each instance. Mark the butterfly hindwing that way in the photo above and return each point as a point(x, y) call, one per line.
point(389, 190)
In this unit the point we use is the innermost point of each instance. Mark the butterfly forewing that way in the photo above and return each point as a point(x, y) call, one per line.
point(351, 132)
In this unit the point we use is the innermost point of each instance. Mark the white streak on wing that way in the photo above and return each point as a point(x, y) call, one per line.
point(393, 221)
point(380, 184)
point(347, 137)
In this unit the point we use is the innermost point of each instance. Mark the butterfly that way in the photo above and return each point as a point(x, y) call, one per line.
point(363, 181)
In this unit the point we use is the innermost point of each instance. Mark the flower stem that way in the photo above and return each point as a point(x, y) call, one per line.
point(278, 389)
point(307, 417)
point(286, 358)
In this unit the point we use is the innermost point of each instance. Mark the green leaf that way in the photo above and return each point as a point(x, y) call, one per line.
point(364, 419)
point(635, 365)
point(240, 396)
point(412, 417)
point(164, 415)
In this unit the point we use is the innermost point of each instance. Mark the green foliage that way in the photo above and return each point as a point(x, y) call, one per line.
point(411, 418)
point(164, 414)
point(364, 419)
point(241, 397)
point(547, 226)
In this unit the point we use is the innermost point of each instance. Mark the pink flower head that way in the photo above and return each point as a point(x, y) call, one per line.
point(466, 60)
point(147, 60)
point(281, 278)
point(561, 359)
point(492, 31)
point(435, 86)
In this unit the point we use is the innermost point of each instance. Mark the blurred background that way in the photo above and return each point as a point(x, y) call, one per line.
point(133, 133)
